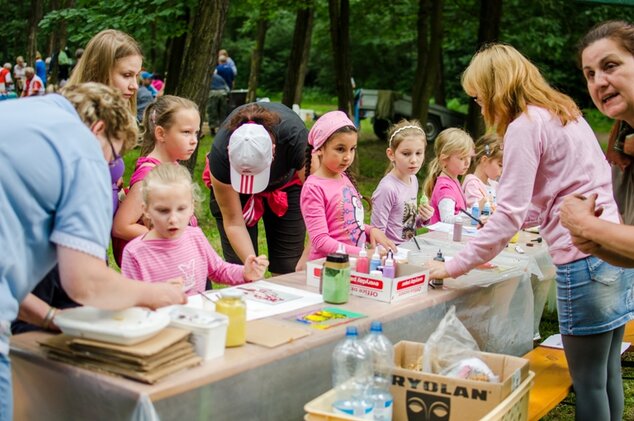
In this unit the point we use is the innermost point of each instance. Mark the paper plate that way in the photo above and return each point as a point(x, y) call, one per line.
point(125, 327)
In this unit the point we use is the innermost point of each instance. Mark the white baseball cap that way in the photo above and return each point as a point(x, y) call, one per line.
point(250, 156)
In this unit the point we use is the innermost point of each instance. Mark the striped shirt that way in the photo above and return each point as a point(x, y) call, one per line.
point(190, 256)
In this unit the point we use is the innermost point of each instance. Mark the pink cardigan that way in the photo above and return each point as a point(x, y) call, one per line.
point(543, 162)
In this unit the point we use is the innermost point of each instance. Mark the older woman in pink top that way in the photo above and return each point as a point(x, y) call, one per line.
point(550, 152)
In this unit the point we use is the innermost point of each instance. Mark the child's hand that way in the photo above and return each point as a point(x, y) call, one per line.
point(425, 212)
point(254, 267)
point(378, 237)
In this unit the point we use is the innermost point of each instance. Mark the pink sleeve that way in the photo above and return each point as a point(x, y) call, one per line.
point(313, 205)
point(207, 174)
point(140, 173)
point(219, 270)
point(472, 191)
point(130, 266)
point(522, 151)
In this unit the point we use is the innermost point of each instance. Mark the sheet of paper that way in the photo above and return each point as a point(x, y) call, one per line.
point(325, 318)
point(448, 228)
point(288, 299)
point(554, 341)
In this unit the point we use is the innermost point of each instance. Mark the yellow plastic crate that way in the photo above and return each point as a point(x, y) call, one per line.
point(513, 408)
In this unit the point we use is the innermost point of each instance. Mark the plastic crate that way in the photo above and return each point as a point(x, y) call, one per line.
point(513, 408)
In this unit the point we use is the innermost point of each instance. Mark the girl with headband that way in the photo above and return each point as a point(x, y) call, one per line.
point(394, 202)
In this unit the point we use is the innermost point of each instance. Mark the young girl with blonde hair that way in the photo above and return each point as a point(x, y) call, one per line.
point(330, 202)
point(453, 150)
point(171, 125)
point(486, 167)
point(172, 247)
point(551, 152)
point(395, 208)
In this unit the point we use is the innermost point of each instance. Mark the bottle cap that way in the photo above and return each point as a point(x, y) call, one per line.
point(376, 254)
point(376, 326)
point(351, 331)
point(337, 258)
point(458, 219)
point(341, 248)
point(363, 252)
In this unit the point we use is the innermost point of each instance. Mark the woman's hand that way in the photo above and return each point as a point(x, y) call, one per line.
point(378, 237)
point(576, 210)
point(425, 212)
point(437, 270)
point(165, 293)
point(254, 267)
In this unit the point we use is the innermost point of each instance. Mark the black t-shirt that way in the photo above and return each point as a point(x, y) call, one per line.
point(291, 138)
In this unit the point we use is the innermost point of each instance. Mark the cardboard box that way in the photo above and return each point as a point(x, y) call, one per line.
point(448, 398)
point(410, 280)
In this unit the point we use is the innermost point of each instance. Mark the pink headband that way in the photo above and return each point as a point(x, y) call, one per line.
point(325, 126)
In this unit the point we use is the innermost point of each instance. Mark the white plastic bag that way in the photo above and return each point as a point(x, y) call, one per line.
point(450, 343)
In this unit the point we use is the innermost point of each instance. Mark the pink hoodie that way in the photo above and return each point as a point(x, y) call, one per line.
point(543, 162)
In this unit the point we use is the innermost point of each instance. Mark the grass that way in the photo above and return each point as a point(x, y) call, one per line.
point(372, 163)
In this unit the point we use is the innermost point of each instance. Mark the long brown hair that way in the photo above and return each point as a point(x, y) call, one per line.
point(505, 83)
point(100, 57)
point(489, 145)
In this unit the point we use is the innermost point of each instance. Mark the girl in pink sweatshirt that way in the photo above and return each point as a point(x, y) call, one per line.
point(330, 202)
point(172, 247)
point(550, 152)
point(486, 167)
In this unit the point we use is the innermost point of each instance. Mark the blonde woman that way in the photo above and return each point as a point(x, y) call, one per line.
point(550, 151)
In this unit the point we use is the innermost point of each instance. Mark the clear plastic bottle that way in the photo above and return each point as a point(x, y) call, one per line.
point(351, 376)
point(382, 356)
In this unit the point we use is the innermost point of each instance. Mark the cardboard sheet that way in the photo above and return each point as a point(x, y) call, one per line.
point(271, 333)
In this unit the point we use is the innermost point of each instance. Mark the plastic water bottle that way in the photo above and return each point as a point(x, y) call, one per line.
point(382, 353)
point(352, 374)
point(486, 209)
point(475, 212)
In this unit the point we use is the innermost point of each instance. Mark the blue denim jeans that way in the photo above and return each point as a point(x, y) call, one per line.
point(593, 296)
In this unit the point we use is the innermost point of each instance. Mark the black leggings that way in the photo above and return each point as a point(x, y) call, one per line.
point(284, 235)
point(595, 366)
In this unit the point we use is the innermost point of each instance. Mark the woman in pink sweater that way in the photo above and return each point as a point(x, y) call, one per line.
point(550, 152)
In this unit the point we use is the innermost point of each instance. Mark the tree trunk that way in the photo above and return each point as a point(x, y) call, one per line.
point(303, 68)
point(53, 40)
point(37, 9)
point(299, 55)
point(176, 51)
point(201, 56)
point(489, 31)
point(439, 95)
point(256, 58)
point(435, 50)
point(422, 55)
point(340, 36)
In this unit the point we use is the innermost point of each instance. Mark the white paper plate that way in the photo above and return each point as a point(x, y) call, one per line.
point(125, 327)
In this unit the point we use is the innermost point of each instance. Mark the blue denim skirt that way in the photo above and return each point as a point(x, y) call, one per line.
point(593, 296)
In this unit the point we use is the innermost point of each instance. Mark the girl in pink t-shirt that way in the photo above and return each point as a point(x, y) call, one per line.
point(171, 130)
point(172, 248)
point(330, 202)
point(479, 185)
point(453, 151)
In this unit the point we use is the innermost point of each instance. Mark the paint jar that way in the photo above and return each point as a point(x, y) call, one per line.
point(336, 278)
point(232, 305)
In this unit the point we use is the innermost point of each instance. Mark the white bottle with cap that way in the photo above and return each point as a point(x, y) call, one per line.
point(375, 262)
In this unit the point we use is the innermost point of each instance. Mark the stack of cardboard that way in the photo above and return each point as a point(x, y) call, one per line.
point(148, 361)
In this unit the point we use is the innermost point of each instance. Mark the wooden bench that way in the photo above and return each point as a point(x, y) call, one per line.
point(552, 380)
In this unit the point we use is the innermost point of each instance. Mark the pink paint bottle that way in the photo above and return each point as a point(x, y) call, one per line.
point(363, 264)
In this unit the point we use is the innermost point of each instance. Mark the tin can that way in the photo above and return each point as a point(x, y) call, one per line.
point(232, 305)
point(336, 279)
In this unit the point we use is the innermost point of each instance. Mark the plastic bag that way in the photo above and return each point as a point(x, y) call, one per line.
point(450, 343)
point(471, 369)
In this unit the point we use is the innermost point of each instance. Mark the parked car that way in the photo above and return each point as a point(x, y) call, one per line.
point(393, 106)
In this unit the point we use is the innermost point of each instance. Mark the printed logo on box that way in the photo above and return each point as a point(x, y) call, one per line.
point(366, 282)
point(317, 271)
point(425, 407)
point(407, 283)
point(441, 388)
